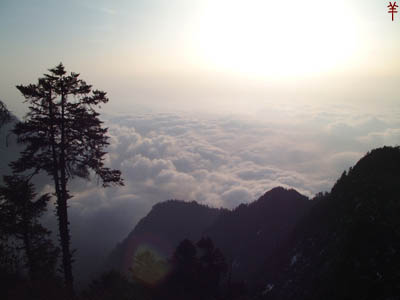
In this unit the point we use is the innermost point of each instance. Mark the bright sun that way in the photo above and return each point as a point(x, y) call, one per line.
point(273, 38)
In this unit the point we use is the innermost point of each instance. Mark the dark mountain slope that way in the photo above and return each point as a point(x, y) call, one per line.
point(167, 224)
point(348, 246)
point(250, 233)
point(9, 149)
point(246, 235)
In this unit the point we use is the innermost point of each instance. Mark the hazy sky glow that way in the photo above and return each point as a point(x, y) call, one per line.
point(178, 53)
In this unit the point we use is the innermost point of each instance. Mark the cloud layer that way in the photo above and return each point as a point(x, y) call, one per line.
point(218, 161)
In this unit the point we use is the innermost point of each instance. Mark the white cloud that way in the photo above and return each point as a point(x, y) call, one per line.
point(192, 158)
point(236, 196)
point(218, 161)
point(140, 168)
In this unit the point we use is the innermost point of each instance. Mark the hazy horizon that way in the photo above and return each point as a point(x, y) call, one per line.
point(213, 56)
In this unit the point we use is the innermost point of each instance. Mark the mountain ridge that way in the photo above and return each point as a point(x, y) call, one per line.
point(157, 233)
point(346, 247)
point(341, 244)
point(161, 230)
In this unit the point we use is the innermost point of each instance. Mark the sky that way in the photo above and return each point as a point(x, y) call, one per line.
point(212, 100)
point(232, 55)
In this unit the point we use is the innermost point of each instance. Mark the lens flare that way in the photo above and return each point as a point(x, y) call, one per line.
point(149, 267)
point(146, 259)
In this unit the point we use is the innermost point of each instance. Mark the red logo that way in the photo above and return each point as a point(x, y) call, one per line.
point(392, 9)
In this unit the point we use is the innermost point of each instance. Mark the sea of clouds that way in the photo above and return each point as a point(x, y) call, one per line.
point(218, 160)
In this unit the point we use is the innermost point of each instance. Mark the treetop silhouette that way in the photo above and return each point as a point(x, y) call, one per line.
point(21, 210)
point(64, 138)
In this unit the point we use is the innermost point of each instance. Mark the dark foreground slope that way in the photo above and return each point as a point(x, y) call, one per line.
point(252, 232)
point(167, 224)
point(348, 246)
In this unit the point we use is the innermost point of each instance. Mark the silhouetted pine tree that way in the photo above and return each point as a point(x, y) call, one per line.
point(21, 215)
point(64, 138)
point(197, 271)
point(8, 253)
point(212, 266)
point(114, 286)
point(183, 279)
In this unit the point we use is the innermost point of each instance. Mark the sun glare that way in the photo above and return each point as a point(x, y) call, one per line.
point(271, 38)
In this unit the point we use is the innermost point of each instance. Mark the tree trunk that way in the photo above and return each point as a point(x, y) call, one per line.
point(65, 242)
point(62, 197)
point(27, 242)
point(62, 206)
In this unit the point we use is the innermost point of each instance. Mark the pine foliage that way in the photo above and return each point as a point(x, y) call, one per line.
point(64, 138)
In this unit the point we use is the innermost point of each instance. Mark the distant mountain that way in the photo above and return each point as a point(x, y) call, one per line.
point(252, 232)
point(167, 224)
point(340, 245)
point(9, 149)
point(348, 245)
point(246, 235)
